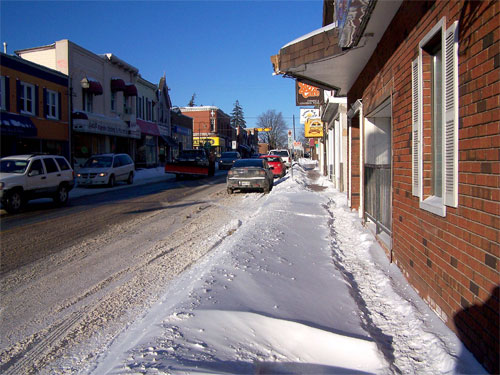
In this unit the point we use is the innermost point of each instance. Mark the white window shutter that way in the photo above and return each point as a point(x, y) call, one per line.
point(451, 117)
point(415, 128)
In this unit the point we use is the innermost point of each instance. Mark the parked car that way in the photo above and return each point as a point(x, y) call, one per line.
point(250, 174)
point(106, 169)
point(285, 156)
point(26, 177)
point(227, 159)
point(276, 165)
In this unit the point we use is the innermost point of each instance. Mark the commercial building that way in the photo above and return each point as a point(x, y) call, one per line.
point(422, 87)
point(211, 126)
point(34, 108)
point(102, 91)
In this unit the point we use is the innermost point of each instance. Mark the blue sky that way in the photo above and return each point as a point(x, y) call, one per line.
point(219, 50)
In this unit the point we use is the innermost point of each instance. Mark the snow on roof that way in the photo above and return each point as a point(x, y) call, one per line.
point(312, 33)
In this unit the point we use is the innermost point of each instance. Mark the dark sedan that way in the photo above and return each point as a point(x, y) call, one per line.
point(227, 159)
point(250, 174)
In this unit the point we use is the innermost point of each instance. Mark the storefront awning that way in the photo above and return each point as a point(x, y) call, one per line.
point(117, 84)
point(93, 86)
point(13, 124)
point(130, 90)
point(170, 141)
point(318, 59)
point(147, 127)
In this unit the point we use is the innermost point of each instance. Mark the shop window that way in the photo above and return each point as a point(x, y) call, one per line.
point(113, 101)
point(435, 120)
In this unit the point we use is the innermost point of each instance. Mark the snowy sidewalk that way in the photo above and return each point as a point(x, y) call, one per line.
point(298, 287)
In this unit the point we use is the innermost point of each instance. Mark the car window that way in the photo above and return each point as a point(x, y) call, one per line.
point(98, 162)
point(229, 155)
point(63, 164)
point(50, 165)
point(241, 163)
point(273, 159)
point(36, 168)
point(116, 162)
point(13, 166)
point(125, 159)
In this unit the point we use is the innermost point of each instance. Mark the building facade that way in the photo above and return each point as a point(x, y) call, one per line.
point(211, 126)
point(102, 91)
point(34, 108)
point(182, 130)
point(146, 118)
point(422, 84)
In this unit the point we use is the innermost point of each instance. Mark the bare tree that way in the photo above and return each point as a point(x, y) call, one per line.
point(277, 137)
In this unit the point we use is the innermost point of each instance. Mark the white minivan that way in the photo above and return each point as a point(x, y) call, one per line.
point(106, 169)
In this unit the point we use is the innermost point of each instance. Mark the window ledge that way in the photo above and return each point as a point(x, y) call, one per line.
point(434, 205)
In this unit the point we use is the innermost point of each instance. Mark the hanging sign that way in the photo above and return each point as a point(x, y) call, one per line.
point(308, 95)
point(313, 128)
point(306, 113)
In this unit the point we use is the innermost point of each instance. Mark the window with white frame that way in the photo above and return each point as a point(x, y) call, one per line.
point(27, 98)
point(113, 101)
point(52, 104)
point(435, 119)
point(139, 107)
point(88, 101)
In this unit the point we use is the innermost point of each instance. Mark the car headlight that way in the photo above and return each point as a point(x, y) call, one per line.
point(78, 175)
point(102, 174)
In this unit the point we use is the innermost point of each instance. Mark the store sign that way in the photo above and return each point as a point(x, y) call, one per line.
point(308, 95)
point(203, 141)
point(99, 124)
point(306, 113)
point(313, 128)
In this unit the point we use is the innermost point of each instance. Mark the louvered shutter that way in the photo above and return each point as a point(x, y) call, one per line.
point(451, 117)
point(415, 128)
point(37, 101)
point(7, 94)
point(59, 107)
point(19, 96)
point(45, 103)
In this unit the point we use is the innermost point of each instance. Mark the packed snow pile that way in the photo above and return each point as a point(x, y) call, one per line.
point(297, 286)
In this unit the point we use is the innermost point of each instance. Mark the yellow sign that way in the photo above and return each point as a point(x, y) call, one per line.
point(263, 129)
point(313, 128)
point(201, 141)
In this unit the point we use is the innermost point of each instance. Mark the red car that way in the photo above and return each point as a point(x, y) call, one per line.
point(277, 165)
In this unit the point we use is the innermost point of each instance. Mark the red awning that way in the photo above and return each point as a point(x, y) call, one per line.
point(130, 90)
point(117, 84)
point(92, 86)
point(147, 127)
point(79, 116)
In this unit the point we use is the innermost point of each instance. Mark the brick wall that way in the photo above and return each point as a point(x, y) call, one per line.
point(452, 261)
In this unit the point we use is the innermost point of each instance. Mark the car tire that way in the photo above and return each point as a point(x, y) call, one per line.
point(62, 195)
point(111, 181)
point(14, 202)
point(130, 179)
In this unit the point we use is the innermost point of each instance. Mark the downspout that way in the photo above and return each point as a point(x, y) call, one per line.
point(361, 163)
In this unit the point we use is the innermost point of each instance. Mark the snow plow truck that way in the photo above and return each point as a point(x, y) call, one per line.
point(197, 162)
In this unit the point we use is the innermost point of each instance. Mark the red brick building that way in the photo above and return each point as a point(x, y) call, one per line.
point(34, 108)
point(211, 126)
point(422, 81)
